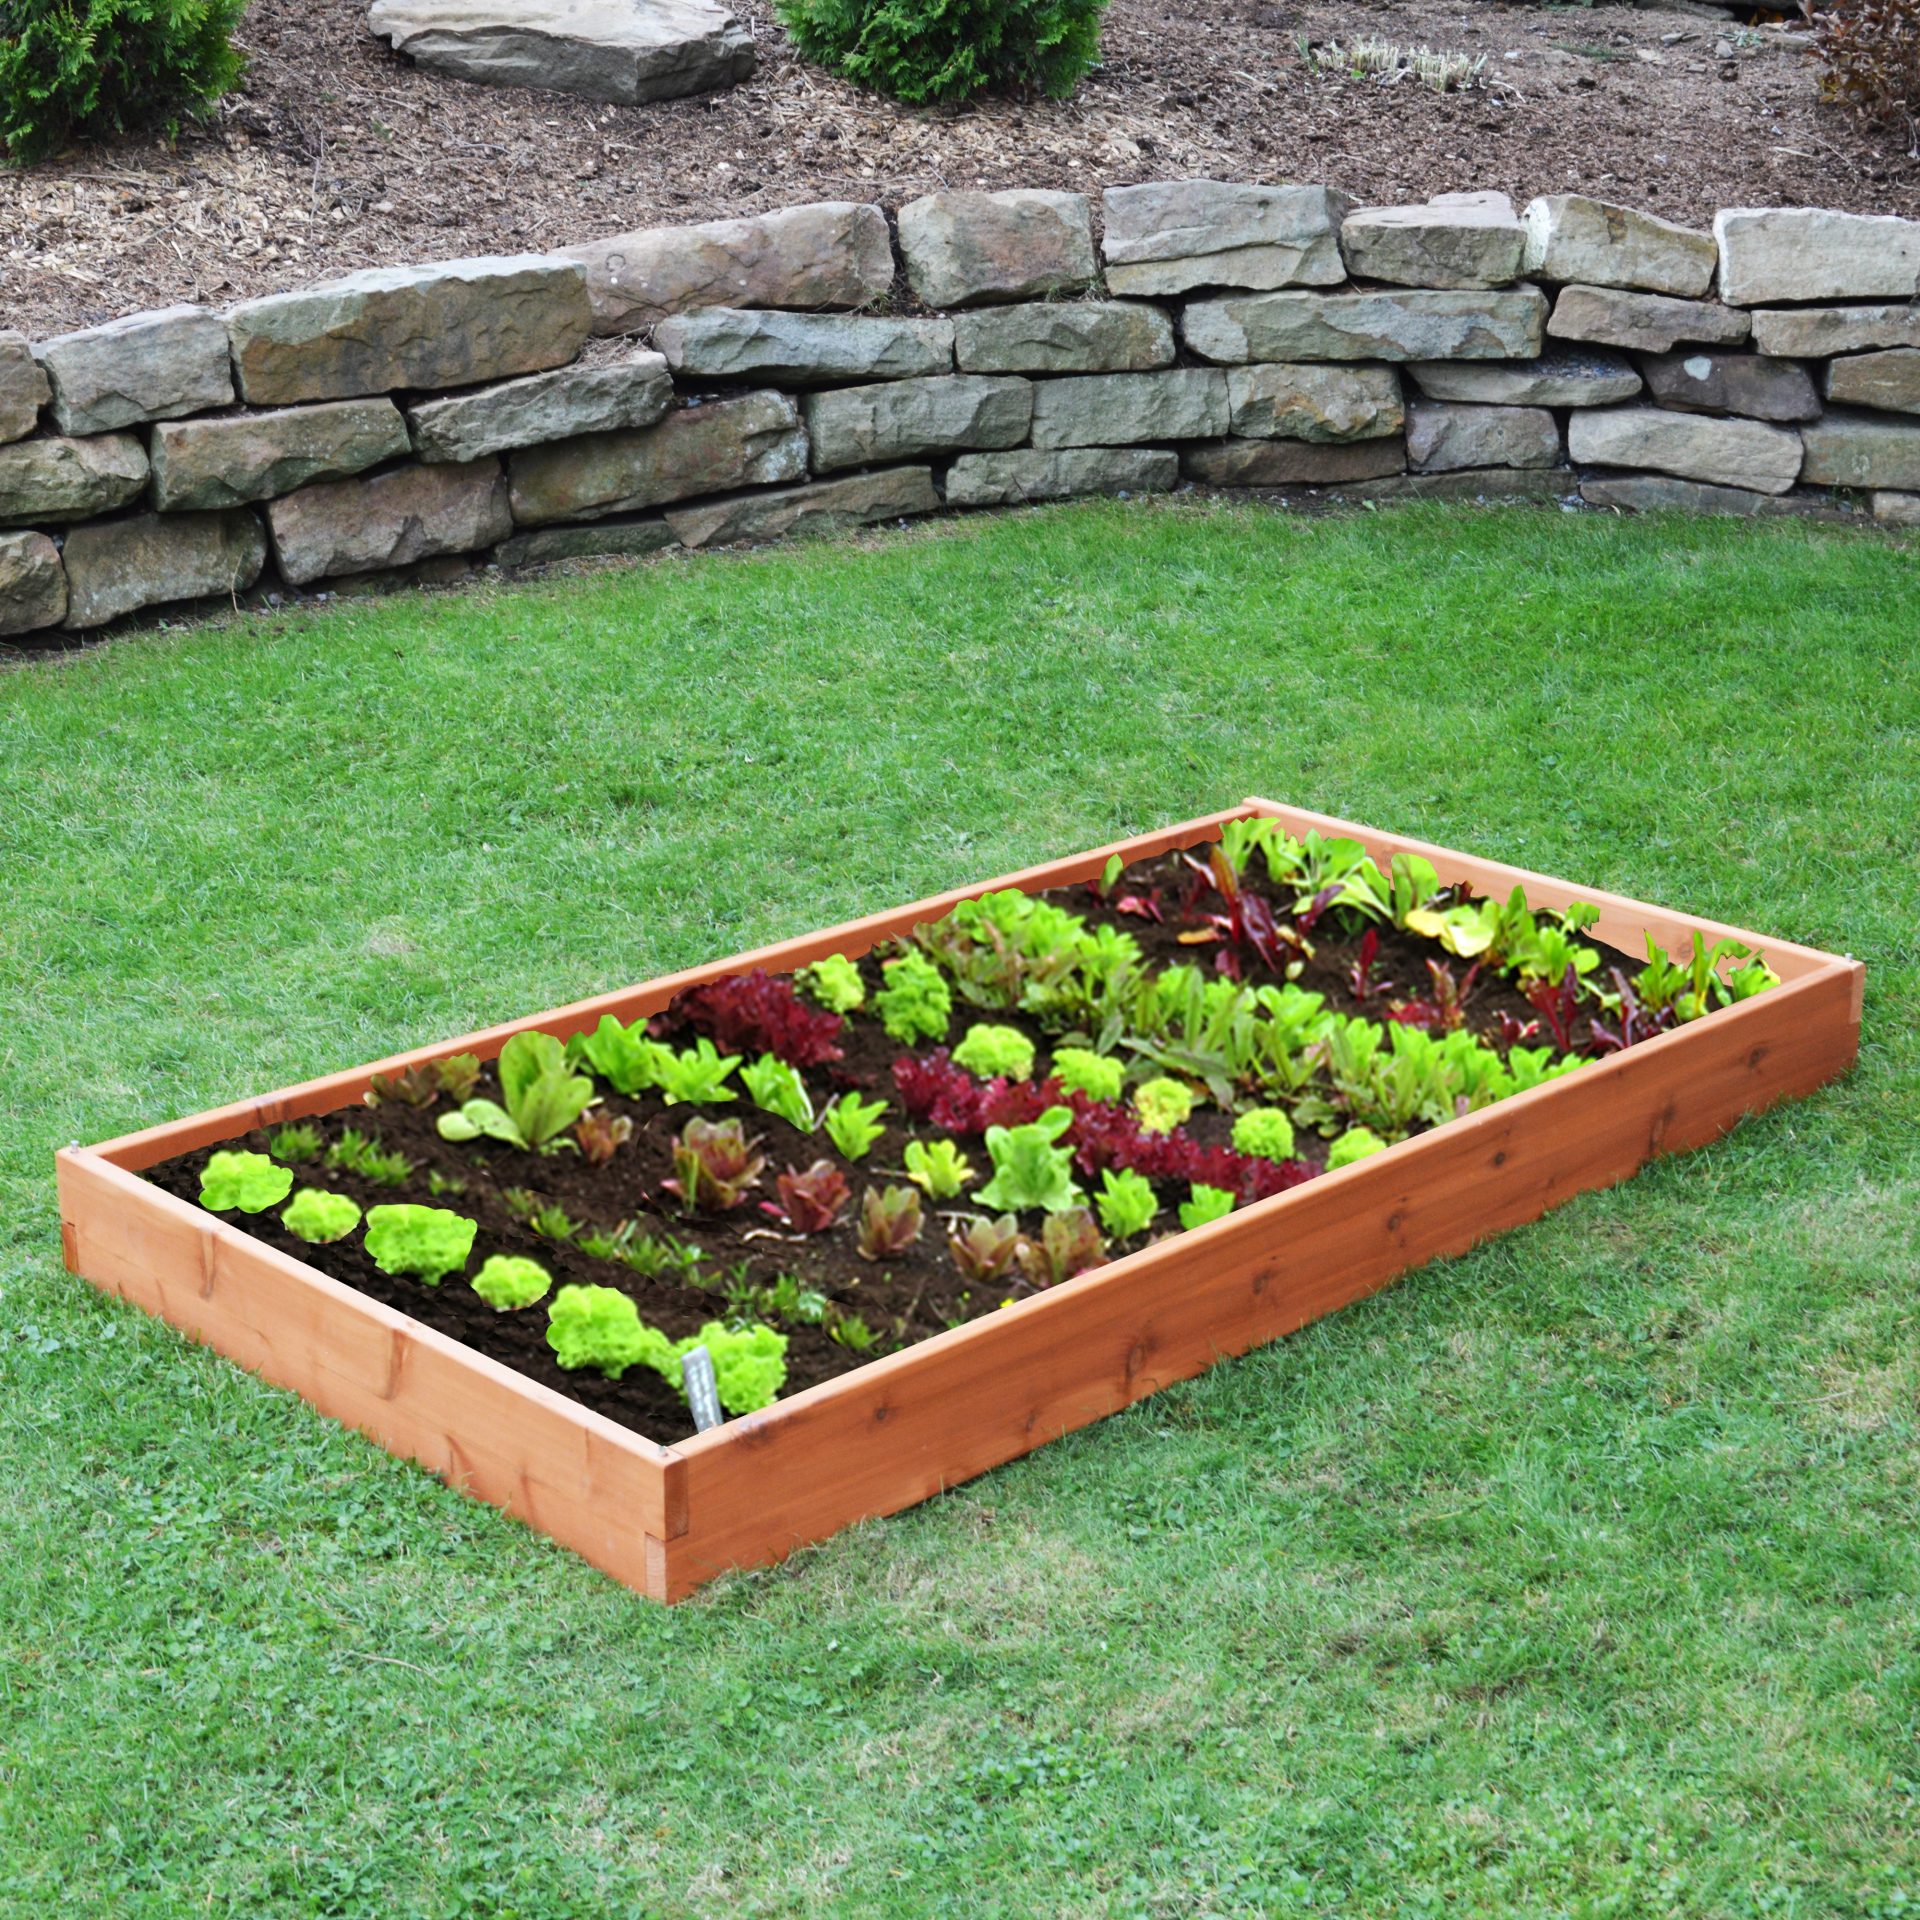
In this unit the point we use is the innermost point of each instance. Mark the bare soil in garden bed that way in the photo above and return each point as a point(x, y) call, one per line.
point(336, 154)
point(903, 1299)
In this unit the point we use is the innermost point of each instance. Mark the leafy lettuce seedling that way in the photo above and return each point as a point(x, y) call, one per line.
point(835, 982)
point(542, 1098)
point(810, 1201)
point(749, 1364)
point(915, 1004)
point(984, 1249)
point(506, 1281)
point(1163, 1104)
point(1355, 1144)
point(854, 1125)
point(1265, 1132)
point(714, 1163)
point(938, 1168)
point(1127, 1203)
point(622, 1056)
point(355, 1153)
point(777, 1088)
point(1068, 1244)
point(600, 1327)
point(1029, 1170)
point(318, 1217)
point(600, 1135)
point(995, 1053)
point(697, 1077)
point(889, 1222)
point(243, 1182)
point(1081, 1070)
point(425, 1243)
point(295, 1143)
point(1206, 1203)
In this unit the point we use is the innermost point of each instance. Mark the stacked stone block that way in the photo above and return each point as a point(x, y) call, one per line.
point(801, 371)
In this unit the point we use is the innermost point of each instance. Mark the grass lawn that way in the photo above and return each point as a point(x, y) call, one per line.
point(1576, 1577)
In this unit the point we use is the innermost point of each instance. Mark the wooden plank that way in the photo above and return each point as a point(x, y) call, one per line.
point(1623, 922)
point(908, 1426)
point(597, 1486)
point(151, 1145)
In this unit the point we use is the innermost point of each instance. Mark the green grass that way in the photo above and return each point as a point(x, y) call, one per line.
point(1575, 1577)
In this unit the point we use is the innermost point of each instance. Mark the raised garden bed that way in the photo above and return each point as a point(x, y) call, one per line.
point(902, 1366)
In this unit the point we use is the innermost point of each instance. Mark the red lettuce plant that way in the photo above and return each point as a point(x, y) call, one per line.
point(1558, 1004)
point(601, 1134)
point(812, 1201)
point(757, 1012)
point(889, 1221)
point(933, 1089)
point(984, 1249)
point(1069, 1243)
point(714, 1164)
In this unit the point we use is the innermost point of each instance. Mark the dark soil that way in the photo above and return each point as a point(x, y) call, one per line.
point(336, 154)
point(903, 1300)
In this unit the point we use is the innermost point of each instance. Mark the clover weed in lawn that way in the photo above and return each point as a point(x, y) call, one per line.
point(1575, 1577)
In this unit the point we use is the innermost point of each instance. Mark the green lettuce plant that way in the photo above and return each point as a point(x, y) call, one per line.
point(995, 1052)
point(749, 1364)
point(1163, 1104)
point(1029, 1170)
point(1355, 1144)
point(938, 1168)
point(600, 1327)
point(1265, 1132)
point(775, 1087)
point(1127, 1203)
point(984, 1249)
point(1081, 1070)
point(835, 982)
point(424, 1243)
point(622, 1056)
point(318, 1217)
point(915, 1003)
point(696, 1076)
point(243, 1182)
point(854, 1125)
point(542, 1097)
point(890, 1221)
point(1204, 1203)
point(506, 1281)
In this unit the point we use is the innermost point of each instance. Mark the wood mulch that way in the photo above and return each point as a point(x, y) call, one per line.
point(337, 155)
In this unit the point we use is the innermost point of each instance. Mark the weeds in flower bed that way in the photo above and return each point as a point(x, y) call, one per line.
point(1135, 1058)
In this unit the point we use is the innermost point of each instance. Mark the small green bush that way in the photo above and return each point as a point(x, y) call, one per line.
point(923, 50)
point(91, 67)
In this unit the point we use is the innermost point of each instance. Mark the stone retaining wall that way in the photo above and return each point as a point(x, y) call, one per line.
point(752, 378)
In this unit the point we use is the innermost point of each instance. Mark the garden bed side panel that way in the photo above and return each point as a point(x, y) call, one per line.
point(908, 1426)
point(610, 1494)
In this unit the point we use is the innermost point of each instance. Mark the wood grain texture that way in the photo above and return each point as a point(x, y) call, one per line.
point(915, 1423)
point(901, 1428)
point(592, 1484)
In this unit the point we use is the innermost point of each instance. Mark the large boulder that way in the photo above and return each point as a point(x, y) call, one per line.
point(1322, 403)
point(33, 586)
point(908, 419)
point(1730, 453)
point(834, 253)
point(1560, 377)
point(452, 324)
point(390, 520)
point(58, 479)
point(1772, 254)
point(827, 506)
point(1122, 409)
point(1409, 325)
point(965, 248)
point(1848, 449)
point(23, 387)
point(1889, 380)
point(225, 462)
point(1171, 236)
point(1293, 463)
point(1064, 336)
point(803, 349)
point(120, 566)
point(540, 407)
point(756, 440)
point(1811, 333)
point(1643, 322)
point(627, 51)
point(1455, 240)
point(1572, 239)
point(1012, 479)
point(1704, 381)
point(1443, 437)
point(148, 366)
